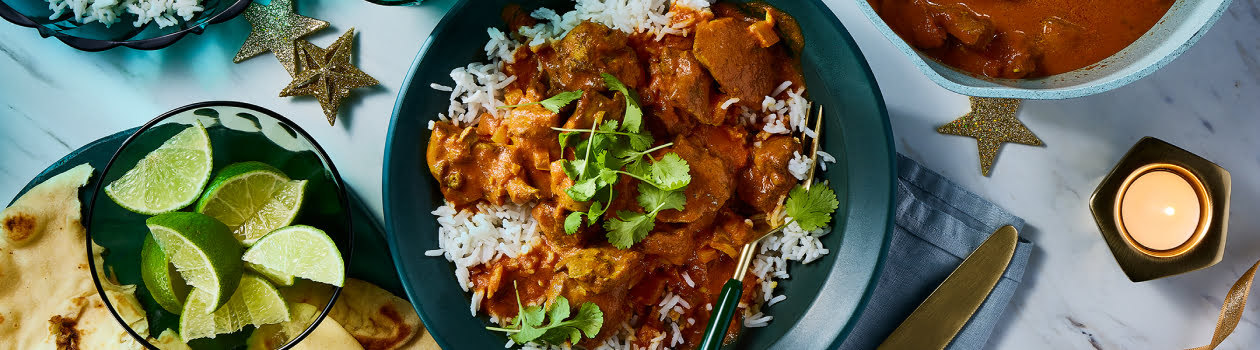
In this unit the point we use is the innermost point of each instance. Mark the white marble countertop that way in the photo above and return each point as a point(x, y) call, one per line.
point(55, 99)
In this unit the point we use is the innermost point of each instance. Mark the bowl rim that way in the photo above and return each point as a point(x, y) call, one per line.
point(337, 180)
point(94, 45)
point(1165, 53)
point(889, 212)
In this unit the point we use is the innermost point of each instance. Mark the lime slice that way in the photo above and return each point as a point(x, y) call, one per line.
point(255, 302)
point(168, 178)
point(160, 277)
point(252, 199)
point(203, 251)
point(301, 251)
point(276, 277)
point(272, 336)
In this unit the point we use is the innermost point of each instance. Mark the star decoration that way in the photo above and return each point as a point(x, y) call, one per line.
point(992, 121)
point(327, 74)
point(275, 27)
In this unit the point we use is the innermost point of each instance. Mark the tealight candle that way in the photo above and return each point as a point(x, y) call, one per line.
point(1163, 211)
point(1160, 210)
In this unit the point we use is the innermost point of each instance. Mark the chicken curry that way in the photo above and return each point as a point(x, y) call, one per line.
point(1020, 39)
point(691, 89)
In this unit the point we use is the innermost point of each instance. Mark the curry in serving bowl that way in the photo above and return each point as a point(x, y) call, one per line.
point(603, 175)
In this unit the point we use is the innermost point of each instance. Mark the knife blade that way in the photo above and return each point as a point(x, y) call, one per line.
point(939, 318)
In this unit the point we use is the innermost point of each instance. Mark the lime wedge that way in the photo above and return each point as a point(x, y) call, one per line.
point(276, 277)
point(168, 178)
point(255, 302)
point(160, 277)
point(203, 251)
point(301, 251)
point(272, 336)
point(252, 199)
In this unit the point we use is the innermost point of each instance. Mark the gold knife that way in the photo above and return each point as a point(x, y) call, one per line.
point(939, 318)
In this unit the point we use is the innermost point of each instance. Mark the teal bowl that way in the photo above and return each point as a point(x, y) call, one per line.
point(98, 37)
point(1180, 28)
point(824, 298)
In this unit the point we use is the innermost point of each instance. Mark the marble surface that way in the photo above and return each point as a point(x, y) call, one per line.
point(54, 99)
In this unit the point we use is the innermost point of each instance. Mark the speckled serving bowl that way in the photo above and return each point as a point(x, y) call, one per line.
point(97, 37)
point(1180, 28)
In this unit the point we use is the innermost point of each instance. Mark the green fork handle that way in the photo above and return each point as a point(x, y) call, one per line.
point(720, 319)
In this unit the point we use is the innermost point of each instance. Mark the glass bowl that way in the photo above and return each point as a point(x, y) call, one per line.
point(97, 37)
point(238, 132)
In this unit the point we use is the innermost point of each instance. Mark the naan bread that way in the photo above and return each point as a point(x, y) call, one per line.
point(169, 340)
point(378, 319)
point(328, 335)
point(47, 299)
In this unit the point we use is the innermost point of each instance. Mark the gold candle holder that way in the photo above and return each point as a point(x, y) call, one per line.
point(1211, 186)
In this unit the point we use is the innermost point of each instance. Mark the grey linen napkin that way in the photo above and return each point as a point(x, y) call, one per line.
point(937, 225)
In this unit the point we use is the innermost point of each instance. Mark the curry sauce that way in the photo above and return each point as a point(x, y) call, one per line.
point(1020, 39)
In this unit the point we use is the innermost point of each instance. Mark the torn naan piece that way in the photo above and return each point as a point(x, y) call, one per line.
point(327, 335)
point(378, 319)
point(47, 298)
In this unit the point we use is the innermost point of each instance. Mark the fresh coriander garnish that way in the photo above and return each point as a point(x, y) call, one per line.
point(528, 326)
point(634, 115)
point(553, 103)
point(811, 208)
point(599, 163)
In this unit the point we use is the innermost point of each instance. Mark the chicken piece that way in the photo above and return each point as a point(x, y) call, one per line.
point(1058, 36)
point(551, 224)
point(603, 269)
point(731, 233)
point(680, 81)
point(767, 180)
point(970, 28)
point(470, 170)
point(916, 23)
point(676, 243)
point(587, 51)
point(728, 142)
point(594, 105)
point(742, 68)
point(710, 186)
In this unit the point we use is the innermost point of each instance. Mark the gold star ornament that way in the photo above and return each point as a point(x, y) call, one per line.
point(327, 74)
point(275, 27)
point(992, 121)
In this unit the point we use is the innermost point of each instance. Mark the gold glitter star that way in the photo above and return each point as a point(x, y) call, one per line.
point(327, 74)
point(275, 27)
point(991, 122)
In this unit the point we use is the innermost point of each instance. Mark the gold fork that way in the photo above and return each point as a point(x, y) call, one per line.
point(728, 301)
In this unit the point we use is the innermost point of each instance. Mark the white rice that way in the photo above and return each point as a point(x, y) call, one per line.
point(162, 12)
point(469, 238)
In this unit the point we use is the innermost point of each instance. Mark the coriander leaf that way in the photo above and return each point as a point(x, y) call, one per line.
point(607, 176)
point(573, 222)
point(589, 319)
point(597, 209)
point(608, 126)
point(633, 119)
point(639, 168)
point(533, 318)
point(671, 172)
point(553, 103)
point(811, 208)
point(559, 309)
point(564, 139)
point(582, 190)
point(656, 199)
point(640, 141)
point(628, 228)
